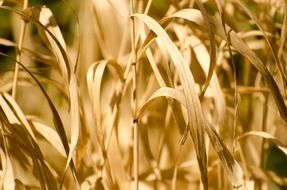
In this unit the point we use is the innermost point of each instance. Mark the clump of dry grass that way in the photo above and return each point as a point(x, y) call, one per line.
point(146, 95)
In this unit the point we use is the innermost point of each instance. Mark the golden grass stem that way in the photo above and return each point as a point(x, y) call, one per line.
point(175, 171)
point(136, 154)
point(264, 128)
point(247, 90)
point(147, 6)
point(134, 101)
point(19, 51)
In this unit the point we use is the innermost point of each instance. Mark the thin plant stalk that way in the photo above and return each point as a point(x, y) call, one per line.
point(134, 101)
point(19, 51)
point(236, 98)
point(122, 85)
point(175, 171)
point(264, 128)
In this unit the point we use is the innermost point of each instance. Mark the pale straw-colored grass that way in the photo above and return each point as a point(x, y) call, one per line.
point(148, 94)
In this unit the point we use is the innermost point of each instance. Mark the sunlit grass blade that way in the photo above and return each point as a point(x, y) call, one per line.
point(269, 137)
point(42, 171)
point(17, 112)
point(75, 124)
point(32, 14)
point(51, 136)
point(211, 36)
point(195, 117)
point(195, 16)
point(44, 16)
point(58, 46)
point(231, 167)
point(203, 59)
point(56, 117)
point(242, 48)
point(109, 27)
point(184, 95)
point(94, 81)
point(176, 110)
point(162, 92)
point(7, 178)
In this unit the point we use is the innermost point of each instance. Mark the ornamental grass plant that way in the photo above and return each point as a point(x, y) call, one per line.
point(143, 94)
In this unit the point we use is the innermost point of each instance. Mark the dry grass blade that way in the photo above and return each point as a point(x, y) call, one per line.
point(75, 123)
point(58, 46)
point(194, 16)
point(27, 133)
point(7, 180)
point(203, 58)
point(231, 167)
point(162, 92)
point(171, 92)
point(229, 164)
point(176, 110)
point(32, 14)
point(51, 136)
point(6, 42)
point(7, 102)
point(56, 42)
point(265, 135)
point(109, 27)
point(94, 80)
point(257, 22)
point(9, 113)
point(42, 170)
point(56, 118)
point(34, 55)
point(243, 49)
point(195, 115)
point(47, 19)
point(211, 35)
